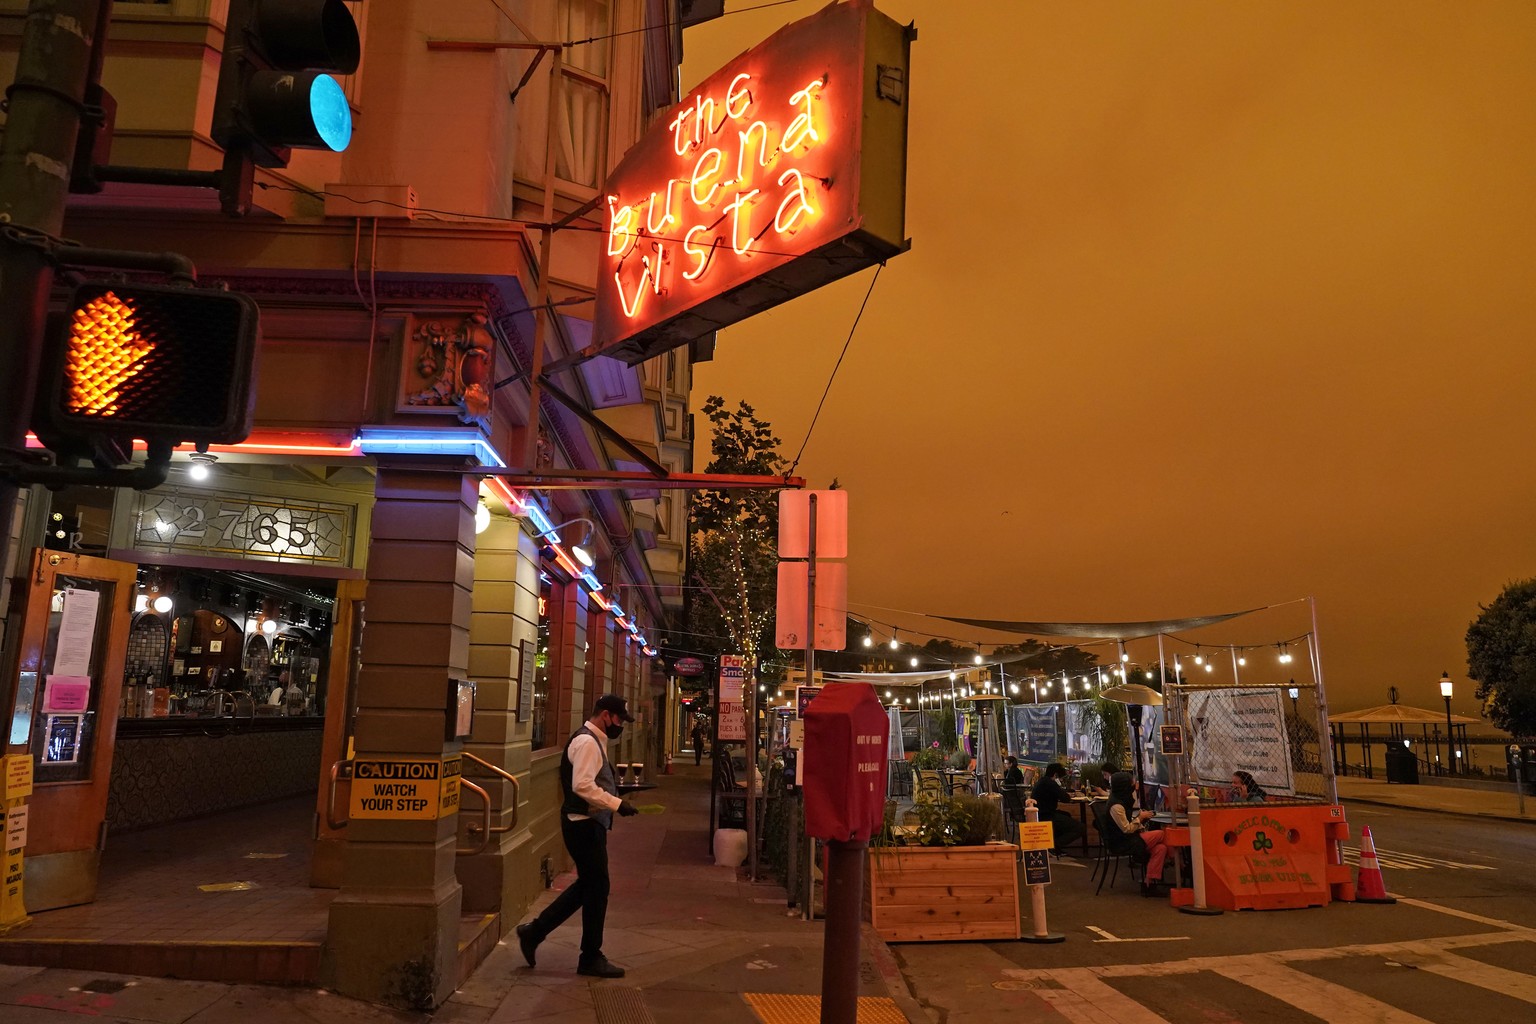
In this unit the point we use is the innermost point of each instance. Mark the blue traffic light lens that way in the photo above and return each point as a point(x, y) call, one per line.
point(330, 111)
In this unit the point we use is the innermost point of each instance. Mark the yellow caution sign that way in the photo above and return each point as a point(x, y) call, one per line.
point(1037, 835)
point(17, 774)
point(405, 790)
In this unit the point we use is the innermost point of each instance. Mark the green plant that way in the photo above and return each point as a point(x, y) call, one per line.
point(957, 820)
point(1105, 720)
point(928, 759)
point(960, 760)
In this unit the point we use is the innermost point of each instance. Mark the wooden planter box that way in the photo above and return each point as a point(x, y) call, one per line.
point(944, 893)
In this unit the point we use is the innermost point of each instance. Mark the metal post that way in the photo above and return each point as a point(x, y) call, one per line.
point(1042, 932)
point(44, 106)
point(840, 943)
point(1197, 860)
point(808, 912)
point(1314, 650)
point(1450, 738)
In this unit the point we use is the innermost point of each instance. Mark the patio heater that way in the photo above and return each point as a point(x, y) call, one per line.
point(991, 726)
point(1134, 696)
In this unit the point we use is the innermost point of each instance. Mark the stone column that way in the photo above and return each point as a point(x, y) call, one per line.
point(569, 680)
point(503, 879)
point(393, 930)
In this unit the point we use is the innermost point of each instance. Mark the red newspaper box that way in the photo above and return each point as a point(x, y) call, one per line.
point(846, 734)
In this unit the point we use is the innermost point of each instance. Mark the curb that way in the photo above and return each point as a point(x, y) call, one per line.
point(895, 983)
point(1438, 810)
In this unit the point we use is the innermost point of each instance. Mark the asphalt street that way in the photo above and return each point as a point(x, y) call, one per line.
point(1459, 946)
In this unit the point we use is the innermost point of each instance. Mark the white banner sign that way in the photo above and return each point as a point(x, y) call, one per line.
point(1240, 730)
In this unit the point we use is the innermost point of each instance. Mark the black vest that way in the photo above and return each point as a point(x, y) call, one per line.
point(605, 779)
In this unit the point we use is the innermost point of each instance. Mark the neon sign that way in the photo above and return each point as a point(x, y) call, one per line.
point(783, 171)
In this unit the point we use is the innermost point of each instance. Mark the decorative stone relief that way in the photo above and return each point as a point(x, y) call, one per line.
point(458, 359)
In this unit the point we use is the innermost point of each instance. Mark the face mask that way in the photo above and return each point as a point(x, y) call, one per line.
point(614, 731)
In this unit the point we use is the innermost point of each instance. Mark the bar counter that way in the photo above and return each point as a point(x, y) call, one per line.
point(175, 768)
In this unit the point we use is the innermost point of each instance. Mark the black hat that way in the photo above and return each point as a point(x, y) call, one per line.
point(614, 703)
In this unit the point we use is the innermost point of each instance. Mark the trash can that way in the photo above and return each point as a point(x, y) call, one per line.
point(1402, 764)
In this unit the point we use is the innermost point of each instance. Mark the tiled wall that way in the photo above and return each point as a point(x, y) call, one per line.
point(159, 779)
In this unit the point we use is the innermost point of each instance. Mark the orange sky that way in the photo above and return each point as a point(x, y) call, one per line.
point(1209, 305)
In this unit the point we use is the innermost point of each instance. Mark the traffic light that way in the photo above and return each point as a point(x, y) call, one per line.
point(163, 364)
point(274, 94)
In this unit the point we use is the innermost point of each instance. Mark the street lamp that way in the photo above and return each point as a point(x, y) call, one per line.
point(1450, 730)
point(1295, 693)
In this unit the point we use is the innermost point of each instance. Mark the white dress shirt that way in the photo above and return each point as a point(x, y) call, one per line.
point(587, 755)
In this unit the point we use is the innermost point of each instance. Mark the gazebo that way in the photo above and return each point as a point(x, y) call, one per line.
point(1398, 719)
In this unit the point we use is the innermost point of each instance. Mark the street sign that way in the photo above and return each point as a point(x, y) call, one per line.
point(1037, 835)
point(1037, 866)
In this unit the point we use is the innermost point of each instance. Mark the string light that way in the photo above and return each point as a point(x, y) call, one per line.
point(1199, 658)
point(869, 641)
point(914, 661)
point(894, 644)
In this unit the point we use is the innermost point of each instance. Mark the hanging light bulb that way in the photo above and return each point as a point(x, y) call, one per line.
point(952, 676)
point(1199, 658)
point(869, 641)
point(894, 644)
point(977, 659)
point(1013, 688)
point(887, 694)
point(914, 661)
point(1210, 666)
point(1242, 660)
point(1149, 673)
point(1124, 657)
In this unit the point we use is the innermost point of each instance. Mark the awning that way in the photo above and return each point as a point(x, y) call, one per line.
point(1399, 714)
point(1100, 630)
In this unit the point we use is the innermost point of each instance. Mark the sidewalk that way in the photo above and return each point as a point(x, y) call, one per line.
point(698, 945)
point(1479, 803)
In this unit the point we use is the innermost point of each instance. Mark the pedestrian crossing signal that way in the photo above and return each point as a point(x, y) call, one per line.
point(161, 364)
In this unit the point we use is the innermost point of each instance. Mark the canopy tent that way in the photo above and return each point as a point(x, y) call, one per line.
point(1398, 718)
point(1101, 630)
point(1399, 714)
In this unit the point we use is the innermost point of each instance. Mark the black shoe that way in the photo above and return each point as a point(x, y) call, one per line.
point(526, 940)
point(1151, 890)
point(599, 967)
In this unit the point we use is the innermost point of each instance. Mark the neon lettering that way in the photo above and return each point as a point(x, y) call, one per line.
point(667, 216)
point(732, 96)
point(760, 130)
point(741, 243)
point(797, 196)
point(700, 176)
point(621, 227)
point(700, 208)
point(803, 128)
point(703, 118)
point(701, 256)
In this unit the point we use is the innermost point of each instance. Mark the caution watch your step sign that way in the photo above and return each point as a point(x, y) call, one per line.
point(414, 789)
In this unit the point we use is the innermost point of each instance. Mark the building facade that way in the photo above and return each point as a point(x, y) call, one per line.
point(324, 588)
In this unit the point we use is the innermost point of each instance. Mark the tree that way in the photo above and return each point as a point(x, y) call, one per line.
point(1501, 657)
point(733, 551)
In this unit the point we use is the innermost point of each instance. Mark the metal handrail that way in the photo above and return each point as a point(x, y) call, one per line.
point(507, 776)
point(331, 820)
point(484, 829)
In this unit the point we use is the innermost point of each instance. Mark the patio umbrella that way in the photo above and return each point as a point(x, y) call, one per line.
point(1134, 696)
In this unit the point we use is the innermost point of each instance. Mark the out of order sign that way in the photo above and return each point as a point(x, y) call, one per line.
point(405, 790)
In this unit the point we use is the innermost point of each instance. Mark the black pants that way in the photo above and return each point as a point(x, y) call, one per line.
point(587, 841)
point(1066, 828)
point(698, 752)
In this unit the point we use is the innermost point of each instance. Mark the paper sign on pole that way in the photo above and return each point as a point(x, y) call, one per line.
point(1037, 835)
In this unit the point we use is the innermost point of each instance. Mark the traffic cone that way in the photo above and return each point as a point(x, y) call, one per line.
point(1370, 887)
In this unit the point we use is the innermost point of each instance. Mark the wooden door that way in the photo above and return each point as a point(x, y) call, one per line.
point(65, 694)
point(340, 720)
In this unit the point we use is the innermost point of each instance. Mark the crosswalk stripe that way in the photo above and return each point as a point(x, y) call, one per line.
point(1085, 999)
point(1322, 999)
point(1413, 861)
point(1475, 972)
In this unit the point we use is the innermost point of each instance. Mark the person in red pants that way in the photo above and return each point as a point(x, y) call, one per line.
point(1146, 844)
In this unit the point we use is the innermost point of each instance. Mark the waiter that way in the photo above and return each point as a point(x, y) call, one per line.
point(591, 798)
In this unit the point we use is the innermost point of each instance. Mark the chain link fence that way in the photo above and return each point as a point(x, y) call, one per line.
point(1238, 743)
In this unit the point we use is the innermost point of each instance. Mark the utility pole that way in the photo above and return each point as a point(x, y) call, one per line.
point(47, 100)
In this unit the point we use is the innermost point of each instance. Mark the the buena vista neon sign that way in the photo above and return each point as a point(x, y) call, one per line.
point(739, 183)
point(781, 172)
